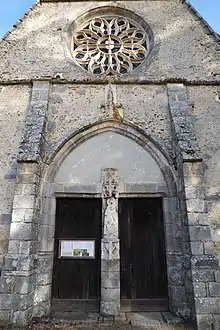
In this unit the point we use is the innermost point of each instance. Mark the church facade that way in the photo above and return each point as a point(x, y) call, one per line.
point(110, 153)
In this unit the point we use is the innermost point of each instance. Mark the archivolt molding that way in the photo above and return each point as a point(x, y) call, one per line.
point(146, 142)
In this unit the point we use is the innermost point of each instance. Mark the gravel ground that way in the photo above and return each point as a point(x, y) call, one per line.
point(42, 326)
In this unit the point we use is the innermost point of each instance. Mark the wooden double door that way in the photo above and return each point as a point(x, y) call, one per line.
point(142, 251)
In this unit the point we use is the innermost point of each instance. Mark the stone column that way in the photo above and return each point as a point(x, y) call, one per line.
point(110, 248)
point(202, 281)
point(19, 272)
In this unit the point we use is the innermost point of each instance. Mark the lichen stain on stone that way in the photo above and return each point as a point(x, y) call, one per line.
point(118, 112)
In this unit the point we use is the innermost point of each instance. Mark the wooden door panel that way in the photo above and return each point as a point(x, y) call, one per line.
point(143, 261)
point(77, 218)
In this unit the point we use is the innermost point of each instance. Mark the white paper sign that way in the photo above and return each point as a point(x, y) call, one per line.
point(77, 249)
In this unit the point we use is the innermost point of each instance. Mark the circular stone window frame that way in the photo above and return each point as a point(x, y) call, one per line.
point(108, 11)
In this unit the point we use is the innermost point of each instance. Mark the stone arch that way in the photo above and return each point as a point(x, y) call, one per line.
point(160, 155)
point(49, 191)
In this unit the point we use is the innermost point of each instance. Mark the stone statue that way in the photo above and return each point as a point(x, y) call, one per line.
point(111, 218)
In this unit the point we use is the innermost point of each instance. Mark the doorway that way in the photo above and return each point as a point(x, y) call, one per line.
point(143, 259)
point(143, 275)
point(76, 273)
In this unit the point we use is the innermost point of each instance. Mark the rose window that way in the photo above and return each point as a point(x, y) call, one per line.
point(110, 45)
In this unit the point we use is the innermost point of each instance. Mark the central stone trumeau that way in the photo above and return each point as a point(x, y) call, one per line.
point(110, 45)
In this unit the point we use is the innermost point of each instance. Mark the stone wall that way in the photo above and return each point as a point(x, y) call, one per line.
point(13, 107)
point(179, 122)
point(205, 109)
point(72, 107)
point(44, 34)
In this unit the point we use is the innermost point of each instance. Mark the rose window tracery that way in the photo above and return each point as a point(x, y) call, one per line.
point(110, 45)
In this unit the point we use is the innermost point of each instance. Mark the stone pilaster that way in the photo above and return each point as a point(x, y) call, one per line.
point(110, 245)
point(200, 263)
point(19, 272)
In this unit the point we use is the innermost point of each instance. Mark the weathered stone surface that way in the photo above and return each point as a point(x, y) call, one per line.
point(203, 275)
point(214, 289)
point(207, 305)
point(199, 233)
point(204, 261)
point(176, 121)
point(110, 308)
point(195, 205)
point(199, 289)
point(32, 140)
point(175, 276)
point(197, 248)
point(205, 322)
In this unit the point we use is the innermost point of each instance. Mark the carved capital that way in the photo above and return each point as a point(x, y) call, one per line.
point(110, 183)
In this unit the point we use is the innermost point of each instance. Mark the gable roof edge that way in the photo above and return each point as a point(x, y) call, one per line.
point(209, 29)
point(19, 21)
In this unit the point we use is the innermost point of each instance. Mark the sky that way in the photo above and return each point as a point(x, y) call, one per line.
point(12, 10)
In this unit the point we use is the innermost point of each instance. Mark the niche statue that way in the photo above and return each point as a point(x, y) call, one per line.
point(111, 218)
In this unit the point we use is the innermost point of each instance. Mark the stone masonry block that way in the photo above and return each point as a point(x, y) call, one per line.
point(193, 169)
point(25, 189)
point(110, 308)
point(7, 284)
point(24, 285)
point(207, 305)
point(178, 293)
point(21, 247)
point(21, 318)
point(192, 192)
point(42, 309)
point(199, 289)
point(199, 233)
point(175, 88)
point(198, 219)
point(110, 283)
point(44, 278)
point(45, 262)
point(216, 321)
point(193, 180)
point(110, 294)
point(196, 248)
point(204, 322)
point(23, 215)
point(6, 301)
point(5, 317)
point(27, 178)
point(179, 109)
point(217, 275)
point(195, 205)
point(204, 261)
point(29, 168)
point(214, 289)
point(46, 244)
point(22, 231)
point(42, 293)
point(5, 219)
point(202, 275)
point(19, 263)
point(175, 276)
point(24, 202)
point(208, 248)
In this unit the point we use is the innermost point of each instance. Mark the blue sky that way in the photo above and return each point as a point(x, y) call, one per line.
point(11, 10)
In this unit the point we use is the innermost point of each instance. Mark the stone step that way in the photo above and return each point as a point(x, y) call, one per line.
point(126, 321)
